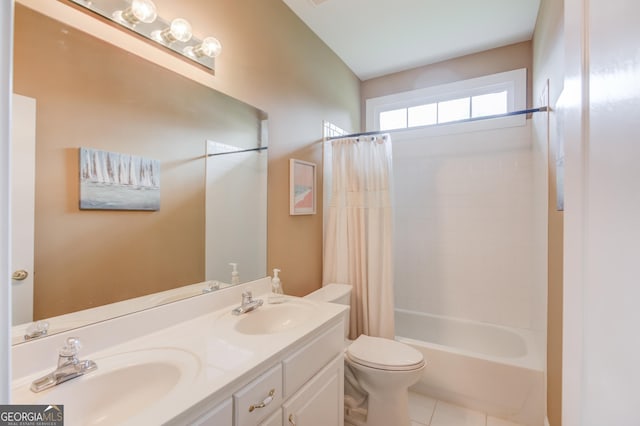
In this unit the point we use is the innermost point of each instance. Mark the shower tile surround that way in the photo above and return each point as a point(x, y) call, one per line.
point(467, 226)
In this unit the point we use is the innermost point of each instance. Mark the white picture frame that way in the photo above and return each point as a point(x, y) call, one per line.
point(302, 187)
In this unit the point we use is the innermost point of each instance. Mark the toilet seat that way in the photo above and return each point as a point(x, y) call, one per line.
point(384, 354)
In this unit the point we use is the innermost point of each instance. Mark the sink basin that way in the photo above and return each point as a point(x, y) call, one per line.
point(275, 318)
point(123, 386)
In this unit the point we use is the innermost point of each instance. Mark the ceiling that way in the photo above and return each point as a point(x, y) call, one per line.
point(378, 37)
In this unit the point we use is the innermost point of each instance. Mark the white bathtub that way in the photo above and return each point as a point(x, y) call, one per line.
point(497, 370)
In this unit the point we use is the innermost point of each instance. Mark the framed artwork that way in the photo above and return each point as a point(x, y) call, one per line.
point(302, 187)
point(114, 181)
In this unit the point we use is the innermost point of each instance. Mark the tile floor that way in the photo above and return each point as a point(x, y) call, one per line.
point(425, 411)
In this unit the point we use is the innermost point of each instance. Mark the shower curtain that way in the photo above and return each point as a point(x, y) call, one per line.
point(358, 235)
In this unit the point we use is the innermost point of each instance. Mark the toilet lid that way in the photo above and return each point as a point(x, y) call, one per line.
point(384, 354)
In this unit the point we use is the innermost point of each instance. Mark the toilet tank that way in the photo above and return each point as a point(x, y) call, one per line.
point(335, 293)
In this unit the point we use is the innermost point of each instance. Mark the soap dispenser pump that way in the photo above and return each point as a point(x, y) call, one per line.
point(235, 276)
point(277, 295)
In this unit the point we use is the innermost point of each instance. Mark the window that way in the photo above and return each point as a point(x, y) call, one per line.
point(447, 104)
point(453, 110)
point(394, 119)
point(422, 115)
point(489, 104)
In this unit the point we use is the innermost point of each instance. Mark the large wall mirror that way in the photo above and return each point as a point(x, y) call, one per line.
point(80, 92)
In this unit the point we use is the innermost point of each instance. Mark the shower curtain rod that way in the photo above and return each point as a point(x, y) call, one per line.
point(466, 120)
point(240, 150)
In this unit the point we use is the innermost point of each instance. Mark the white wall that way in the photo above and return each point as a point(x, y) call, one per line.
point(602, 214)
point(6, 47)
point(465, 226)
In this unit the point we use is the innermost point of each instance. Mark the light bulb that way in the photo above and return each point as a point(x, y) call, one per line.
point(179, 30)
point(139, 11)
point(209, 47)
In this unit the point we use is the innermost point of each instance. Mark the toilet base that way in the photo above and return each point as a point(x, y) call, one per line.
point(387, 394)
point(382, 410)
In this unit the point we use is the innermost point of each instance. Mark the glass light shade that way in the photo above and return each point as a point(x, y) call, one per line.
point(144, 10)
point(139, 11)
point(210, 47)
point(179, 30)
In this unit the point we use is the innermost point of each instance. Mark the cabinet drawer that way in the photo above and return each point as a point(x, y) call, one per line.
point(259, 398)
point(308, 360)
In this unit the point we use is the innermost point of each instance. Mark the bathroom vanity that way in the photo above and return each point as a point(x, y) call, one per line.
point(194, 362)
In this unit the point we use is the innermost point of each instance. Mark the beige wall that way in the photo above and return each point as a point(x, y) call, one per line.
point(492, 61)
point(548, 64)
point(273, 61)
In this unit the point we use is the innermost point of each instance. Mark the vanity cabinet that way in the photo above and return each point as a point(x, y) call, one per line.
point(304, 387)
point(221, 415)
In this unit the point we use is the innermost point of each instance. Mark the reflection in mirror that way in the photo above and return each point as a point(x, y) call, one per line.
point(88, 93)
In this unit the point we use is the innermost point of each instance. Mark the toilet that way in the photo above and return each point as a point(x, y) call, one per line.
point(383, 369)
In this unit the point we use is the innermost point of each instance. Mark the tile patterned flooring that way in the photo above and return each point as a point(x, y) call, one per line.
point(425, 411)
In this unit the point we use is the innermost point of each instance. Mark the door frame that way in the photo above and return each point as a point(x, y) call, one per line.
point(6, 85)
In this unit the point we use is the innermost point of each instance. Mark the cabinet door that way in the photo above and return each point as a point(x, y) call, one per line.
point(320, 402)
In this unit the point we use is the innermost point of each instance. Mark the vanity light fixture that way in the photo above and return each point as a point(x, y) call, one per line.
point(141, 17)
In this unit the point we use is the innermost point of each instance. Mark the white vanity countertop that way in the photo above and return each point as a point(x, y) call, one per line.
point(221, 358)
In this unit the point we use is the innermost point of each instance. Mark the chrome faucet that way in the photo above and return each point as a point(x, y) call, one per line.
point(37, 329)
point(248, 304)
point(69, 367)
point(211, 286)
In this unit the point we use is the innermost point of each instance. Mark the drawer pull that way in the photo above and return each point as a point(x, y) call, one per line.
point(292, 420)
point(264, 402)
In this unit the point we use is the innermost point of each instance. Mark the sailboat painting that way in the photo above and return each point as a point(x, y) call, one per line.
point(114, 181)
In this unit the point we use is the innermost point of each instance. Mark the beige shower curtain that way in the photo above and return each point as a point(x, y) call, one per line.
point(358, 235)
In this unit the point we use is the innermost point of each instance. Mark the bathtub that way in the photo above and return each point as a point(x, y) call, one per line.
point(497, 370)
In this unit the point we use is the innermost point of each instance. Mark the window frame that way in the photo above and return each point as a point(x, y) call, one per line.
point(513, 82)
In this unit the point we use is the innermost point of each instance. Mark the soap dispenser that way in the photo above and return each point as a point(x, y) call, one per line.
point(235, 277)
point(277, 295)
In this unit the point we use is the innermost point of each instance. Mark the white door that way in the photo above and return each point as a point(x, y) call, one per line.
point(23, 160)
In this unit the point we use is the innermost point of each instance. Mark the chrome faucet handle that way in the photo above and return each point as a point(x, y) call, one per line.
point(37, 329)
point(247, 297)
point(211, 285)
point(71, 347)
